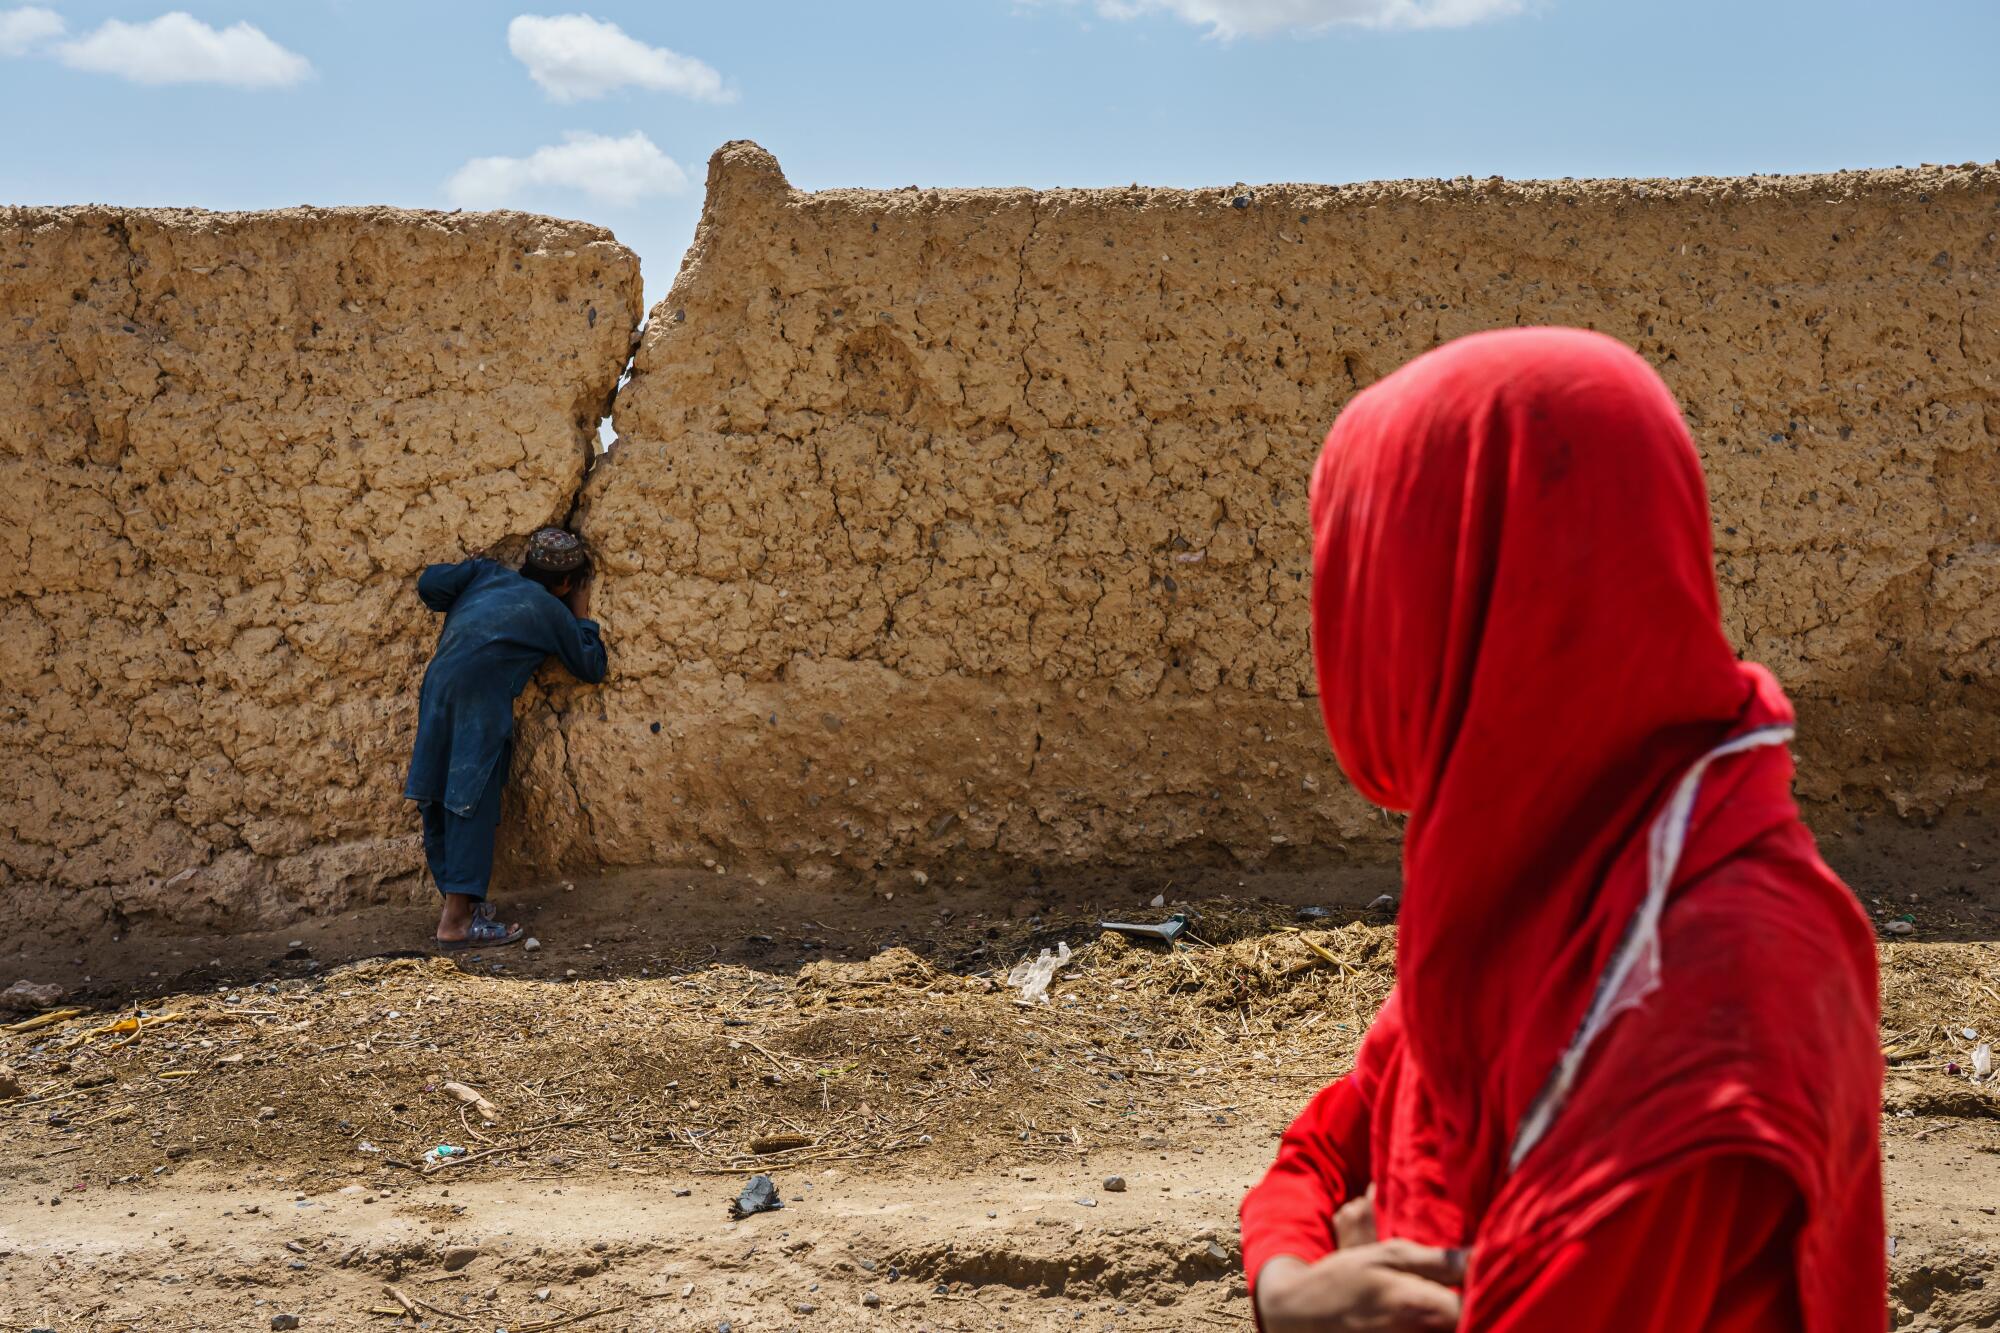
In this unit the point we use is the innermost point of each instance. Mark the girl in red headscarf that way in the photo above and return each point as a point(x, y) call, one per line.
point(1629, 1076)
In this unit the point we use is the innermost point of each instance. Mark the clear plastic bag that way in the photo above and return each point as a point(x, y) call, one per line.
point(1031, 976)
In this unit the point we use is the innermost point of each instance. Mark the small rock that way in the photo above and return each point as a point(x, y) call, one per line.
point(542, 1293)
point(1384, 903)
point(1086, 1203)
point(1899, 928)
point(284, 1321)
point(1114, 1184)
point(531, 945)
point(26, 997)
point(1312, 914)
point(458, 1256)
point(870, 1299)
point(10, 1084)
point(267, 1113)
point(804, 1307)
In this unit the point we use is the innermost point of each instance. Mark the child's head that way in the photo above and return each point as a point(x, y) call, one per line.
point(556, 559)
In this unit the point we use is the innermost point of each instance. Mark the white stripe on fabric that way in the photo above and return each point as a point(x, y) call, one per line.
point(1634, 970)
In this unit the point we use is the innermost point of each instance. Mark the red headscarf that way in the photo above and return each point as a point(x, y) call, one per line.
point(1518, 640)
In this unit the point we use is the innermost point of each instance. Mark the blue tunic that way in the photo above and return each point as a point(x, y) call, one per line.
point(498, 627)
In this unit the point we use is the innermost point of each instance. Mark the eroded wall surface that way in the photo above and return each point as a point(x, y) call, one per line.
point(950, 527)
point(947, 530)
point(227, 444)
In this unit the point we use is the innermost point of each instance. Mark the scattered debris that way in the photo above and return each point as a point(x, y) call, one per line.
point(441, 1154)
point(760, 1195)
point(472, 1097)
point(765, 1144)
point(1032, 977)
point(1313, 914)
point(1899, 927)
point(1165, 931)
point(42, 1020)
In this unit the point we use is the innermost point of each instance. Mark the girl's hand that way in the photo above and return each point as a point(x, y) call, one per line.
point(1354, 1224)
point(1392, 1286)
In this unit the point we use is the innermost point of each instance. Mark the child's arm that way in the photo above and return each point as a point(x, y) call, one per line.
point(577, 642)
point(440, 585)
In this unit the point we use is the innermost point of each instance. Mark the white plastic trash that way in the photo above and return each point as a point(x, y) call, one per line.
point(1982, 1060)
point(1031, 976)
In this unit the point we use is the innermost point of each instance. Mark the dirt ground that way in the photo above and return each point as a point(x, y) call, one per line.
point(255, 1149)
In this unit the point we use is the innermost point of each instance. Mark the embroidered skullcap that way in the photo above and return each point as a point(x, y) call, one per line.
point(555, 550)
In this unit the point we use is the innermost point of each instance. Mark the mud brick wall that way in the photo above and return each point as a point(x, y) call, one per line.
point(957, 527)
point(227, 444)
point(947, 531)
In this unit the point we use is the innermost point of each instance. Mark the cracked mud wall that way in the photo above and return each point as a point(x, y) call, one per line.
point(947, 530)
point(953, 528)
point(227, 444)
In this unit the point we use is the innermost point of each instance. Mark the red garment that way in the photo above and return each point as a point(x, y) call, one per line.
point(1518, 640)
point(1708, 1248)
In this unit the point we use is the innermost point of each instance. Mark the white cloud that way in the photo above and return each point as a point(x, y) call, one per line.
point(25, 28)
point(578, 58)
point(1261, 18)
point(179, 48)
point(611, 171)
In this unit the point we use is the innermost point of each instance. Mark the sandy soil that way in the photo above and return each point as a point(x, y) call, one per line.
point(261, 1155)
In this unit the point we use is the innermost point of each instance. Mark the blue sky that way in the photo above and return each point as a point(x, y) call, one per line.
point(426, 103)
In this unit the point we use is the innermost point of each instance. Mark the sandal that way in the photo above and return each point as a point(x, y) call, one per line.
point(485, 932)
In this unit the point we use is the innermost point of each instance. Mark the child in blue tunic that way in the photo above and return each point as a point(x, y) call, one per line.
point(499, 626)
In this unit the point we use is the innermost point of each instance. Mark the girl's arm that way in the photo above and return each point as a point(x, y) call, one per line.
point(1322, 1164)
